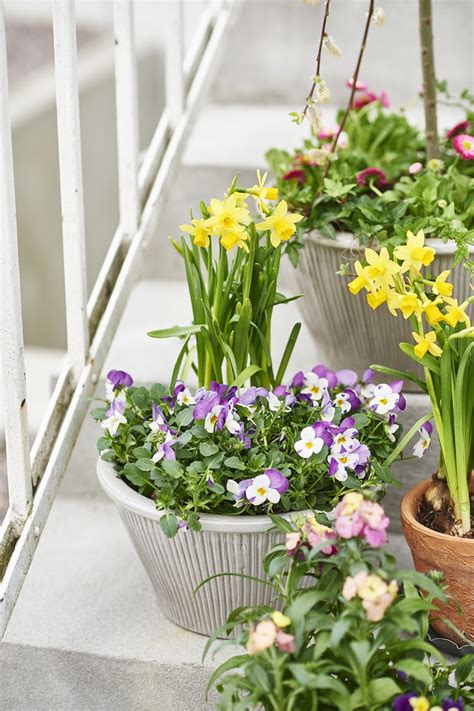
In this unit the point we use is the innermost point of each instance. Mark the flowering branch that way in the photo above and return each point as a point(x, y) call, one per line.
point(354, 82)
point(429, 78)
point(318, 57)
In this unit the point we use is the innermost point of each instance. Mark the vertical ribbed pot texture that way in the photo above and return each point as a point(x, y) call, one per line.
point(345, 328)
point(453, 556)
point(227, 544)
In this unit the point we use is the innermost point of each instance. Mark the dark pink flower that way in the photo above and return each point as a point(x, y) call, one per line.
point(295, 174)
point(375, 175)
point(368, 98)
point(460, 127)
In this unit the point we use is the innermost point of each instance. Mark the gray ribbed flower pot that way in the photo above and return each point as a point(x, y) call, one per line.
point(226, 544)
point(347, 331)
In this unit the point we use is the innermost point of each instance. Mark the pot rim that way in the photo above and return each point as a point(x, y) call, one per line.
point(346, 240)
point(409, 504)
point(124, 496)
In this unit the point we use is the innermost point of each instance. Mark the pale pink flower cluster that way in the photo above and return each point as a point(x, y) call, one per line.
point(269, 632)
point(312, 534)
point(356, 516)
point(376, 595)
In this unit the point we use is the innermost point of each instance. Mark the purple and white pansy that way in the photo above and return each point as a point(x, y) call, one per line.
point(114, 417)
point(292, 438)
point(424, 441)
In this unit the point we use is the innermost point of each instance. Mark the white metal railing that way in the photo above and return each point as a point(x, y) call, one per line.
point(34, 476)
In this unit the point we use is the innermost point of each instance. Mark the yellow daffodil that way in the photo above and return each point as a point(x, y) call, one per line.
point(426, 344)
point(237, 236)
point(380, 267)
point(432, 312)
point(361, 281)
point(441, 286)
point(376, 298)
point(199, 231)
point(414, 254)
point(241, 199)
point(455, 313)
point(281, 223)
point(262, 193)
point(280, 619)
point(227, 216)
point(410, 305)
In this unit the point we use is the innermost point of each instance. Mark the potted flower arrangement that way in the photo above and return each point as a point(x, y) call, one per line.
point(355, 639)
point(196, 475)
point(437, 515)
point(365, 183)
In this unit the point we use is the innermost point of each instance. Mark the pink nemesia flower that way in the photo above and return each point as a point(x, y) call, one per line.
point(460, 127)
point(261, 637)
point(285, 642)
point(360, 85)
point(292, 541)
point(295, 174)
point(464, 145)
point(363, 177)
point(415, 168)
point(370, 97)
point(356, 516)
point(328, 133)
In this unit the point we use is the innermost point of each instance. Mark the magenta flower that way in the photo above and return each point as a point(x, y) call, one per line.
point(363, 100)
point(327, 134)
point(460, 127)
point(356, 516)
point(371, 175)
point(360, 85)
point(295, 174)
point(324, 372)
point(464, 145)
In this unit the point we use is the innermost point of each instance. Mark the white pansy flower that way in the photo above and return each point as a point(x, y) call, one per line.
point(185, 397)
point(315, 386)
point(309, 443)
point(384, 400)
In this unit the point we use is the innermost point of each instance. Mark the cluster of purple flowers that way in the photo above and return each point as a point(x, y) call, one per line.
point(413, 702)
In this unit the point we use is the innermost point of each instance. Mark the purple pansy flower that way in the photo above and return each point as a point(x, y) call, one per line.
point(238, 489)
point(114, 417)
point(324, 372)
point(402, 702)
point(158, 422)
point(298, 380)
point(268, 486)
point(347, 377)
point(165, 449)
point(449, 704)
point(420, 448)
point(119, 377)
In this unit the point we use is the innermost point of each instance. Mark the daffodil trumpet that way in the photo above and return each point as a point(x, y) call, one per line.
point(232, 263)
point(443, 344)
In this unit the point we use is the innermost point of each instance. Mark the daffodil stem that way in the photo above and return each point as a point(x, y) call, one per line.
point(355, 77)
point(318, 56)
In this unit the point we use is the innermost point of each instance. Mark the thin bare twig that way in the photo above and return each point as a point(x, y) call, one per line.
point(354, 83)
point(429, 78)
point(318, 57)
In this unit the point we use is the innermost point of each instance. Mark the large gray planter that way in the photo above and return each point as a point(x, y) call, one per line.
point(226, 544)
point(347, 331)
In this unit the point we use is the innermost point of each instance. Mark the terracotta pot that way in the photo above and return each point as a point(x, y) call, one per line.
point(453, 556)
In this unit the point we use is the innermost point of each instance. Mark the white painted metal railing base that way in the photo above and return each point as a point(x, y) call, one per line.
point(34, 478)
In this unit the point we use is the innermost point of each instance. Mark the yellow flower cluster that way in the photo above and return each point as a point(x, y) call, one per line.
point(230, 218)
point(399, 284)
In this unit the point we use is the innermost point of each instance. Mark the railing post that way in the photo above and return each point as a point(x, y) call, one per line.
point(127, 117)
point(70, 171)
point(174, 75)
point(13, 366)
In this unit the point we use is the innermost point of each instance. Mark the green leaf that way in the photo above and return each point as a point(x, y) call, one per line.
point(135, 476)
point(235, 463)
point(146, 465)
point(400, 375)
point(172, 467)
point(103, 443)
point(305, 678)
point(428, 361)
point(245, 375)
point(193, 521)
point(184, 417)
point(207, 449)
point(99, 413)
point(380, 691)
point(232, 663)
point(404, 441)
point(169, 525)
point(415, 670)
point(176, 331)
point(293, 337)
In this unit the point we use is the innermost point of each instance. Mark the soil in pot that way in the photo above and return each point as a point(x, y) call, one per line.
point(435, 512)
